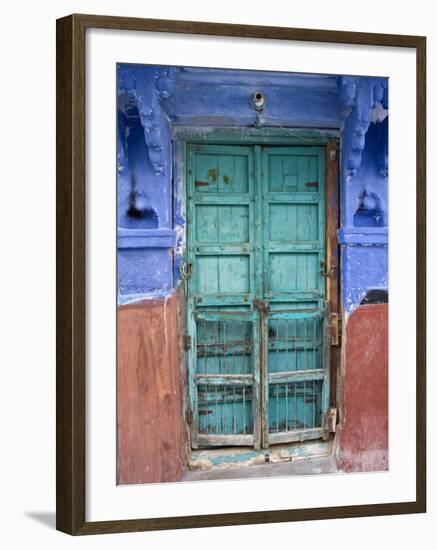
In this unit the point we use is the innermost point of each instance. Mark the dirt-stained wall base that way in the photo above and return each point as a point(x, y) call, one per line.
point(149, 401)
point(362, 438)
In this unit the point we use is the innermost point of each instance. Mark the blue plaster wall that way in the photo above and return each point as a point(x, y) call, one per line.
point(152, 101)
point(363, 236)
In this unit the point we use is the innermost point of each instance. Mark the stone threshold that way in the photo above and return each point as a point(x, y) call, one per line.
point(241, 460)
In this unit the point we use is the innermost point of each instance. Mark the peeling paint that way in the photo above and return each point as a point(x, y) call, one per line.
point(242, 457)
point(155, 101)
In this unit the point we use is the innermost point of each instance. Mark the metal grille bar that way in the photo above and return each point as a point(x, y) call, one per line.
point(224, 380)
point(295, 376)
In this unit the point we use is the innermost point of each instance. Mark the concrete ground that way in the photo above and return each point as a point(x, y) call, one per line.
point(305, 466)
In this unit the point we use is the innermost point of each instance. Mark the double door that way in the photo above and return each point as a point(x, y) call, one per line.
point(258, 324)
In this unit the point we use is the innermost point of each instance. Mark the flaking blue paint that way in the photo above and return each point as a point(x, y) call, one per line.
point(153, 101)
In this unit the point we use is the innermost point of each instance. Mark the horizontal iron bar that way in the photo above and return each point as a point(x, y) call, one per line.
point(296, 376)
point(297, 435)
point(228, 349)
point(224, 379)
point(203, 439)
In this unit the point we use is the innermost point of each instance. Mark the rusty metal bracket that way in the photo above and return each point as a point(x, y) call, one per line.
point(187, 342)
point(261, 305)
point(331, 272)
point(335, 329)
point(331, 420)
point(333, 154)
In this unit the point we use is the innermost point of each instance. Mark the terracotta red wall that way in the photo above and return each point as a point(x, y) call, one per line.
point(362, 438)
point(149, 400)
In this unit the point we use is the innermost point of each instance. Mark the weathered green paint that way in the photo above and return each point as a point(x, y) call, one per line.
point(256, 235)
point(222, 458)
point(254, 136)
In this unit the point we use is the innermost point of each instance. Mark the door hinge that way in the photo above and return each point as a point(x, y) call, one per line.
point(187, 342)
point(186, 270)
point(335, 329)
point(333, 154)
point(189, 416)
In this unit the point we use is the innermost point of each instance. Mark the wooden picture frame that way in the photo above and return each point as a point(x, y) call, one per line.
point(71, 254)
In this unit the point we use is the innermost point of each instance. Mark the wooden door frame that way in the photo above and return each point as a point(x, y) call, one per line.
point(329, 139)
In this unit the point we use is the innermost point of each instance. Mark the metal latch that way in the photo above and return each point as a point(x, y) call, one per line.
point(186, 270)
point(187, 342)
point(330, 273)
point(335, 329)
point(261, 305)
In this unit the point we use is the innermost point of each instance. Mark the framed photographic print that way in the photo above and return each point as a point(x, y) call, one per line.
point(237, 206)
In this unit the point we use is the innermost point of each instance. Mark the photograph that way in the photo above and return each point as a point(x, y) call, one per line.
point(252, 273)
point(215, 282)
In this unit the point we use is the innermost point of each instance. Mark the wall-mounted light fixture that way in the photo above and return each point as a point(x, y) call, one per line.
point(258, 103)
point(259, 100)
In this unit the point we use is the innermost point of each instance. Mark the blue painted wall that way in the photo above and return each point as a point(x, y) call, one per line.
point(153, 101)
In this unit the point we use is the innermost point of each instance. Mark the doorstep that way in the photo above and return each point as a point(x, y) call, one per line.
point(296, 458)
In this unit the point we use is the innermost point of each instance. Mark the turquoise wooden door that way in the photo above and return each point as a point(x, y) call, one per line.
point(258, 372)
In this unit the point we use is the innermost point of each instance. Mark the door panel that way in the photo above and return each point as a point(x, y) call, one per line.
point(221, 169)
point(222, 274)
point(293, 169)
point(222, 224)
point(295, 378)
point(259, 371)
point(293, 222)
point(225, 374)
point(297, 374)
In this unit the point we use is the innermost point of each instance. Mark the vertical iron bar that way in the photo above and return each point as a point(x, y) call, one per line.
point(233, 348)
point(224, 372)
point(206, 360)
point(205, 346)
point(305, 343)
point(304, 407)
point(295, 345)
point(286, 344)
point(314, 404)
point(233, 344)
point(244, 410)
point(216, 391)
point(277, 346)
point(314, 343)
point(314, 366)
point(277, 407)
point(278, 368)
point(295, 406)
point(286, 407)
point(233, 411)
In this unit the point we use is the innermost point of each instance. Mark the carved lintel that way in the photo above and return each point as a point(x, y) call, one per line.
point(148, 89)
point(360, 96)
point(165, 81)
